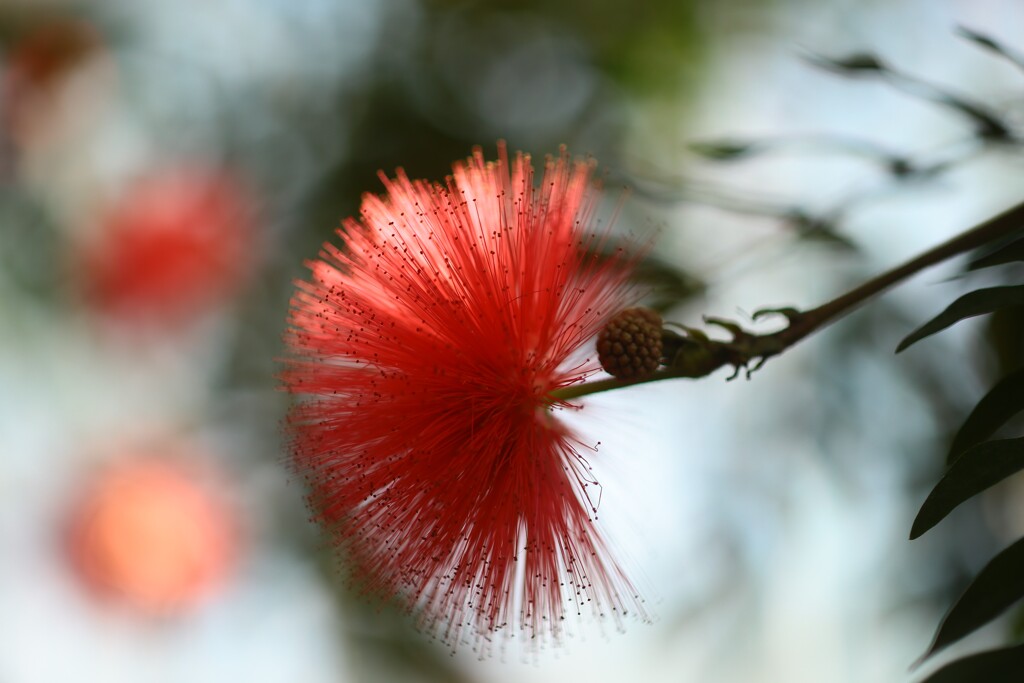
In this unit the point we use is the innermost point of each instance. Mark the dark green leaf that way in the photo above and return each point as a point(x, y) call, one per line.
point(724, 150)
point(1008, 253)
point(987, 122)
point(667, 285)
point(979, 38)
point(996, 587)
point(992, 666)
point(990, 44)
point(855, 64)
point(969, 305)
point(822, 230)
point(977, 469)
point(1002, 402)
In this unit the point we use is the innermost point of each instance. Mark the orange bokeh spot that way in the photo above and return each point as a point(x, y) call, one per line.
point(153, 534)
point(177, 242)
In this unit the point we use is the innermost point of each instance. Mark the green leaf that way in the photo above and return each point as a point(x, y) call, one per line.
point(1009, 253)
point(978, 38)
point(987, 123)
point(851, 65)
point(724, 150)
point(996, 587)
point(976, 470)
point(969, 305)
point(991, 44)
point(1002, 402)
point(992, 666)
point(666, 284)
point(820, 229)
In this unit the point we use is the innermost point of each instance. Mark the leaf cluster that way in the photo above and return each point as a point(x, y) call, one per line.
point(976, 462)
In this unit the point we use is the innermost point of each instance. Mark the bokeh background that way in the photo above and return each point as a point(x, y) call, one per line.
point(166, 167)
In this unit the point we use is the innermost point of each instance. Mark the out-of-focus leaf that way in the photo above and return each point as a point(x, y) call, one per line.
point(667, 284)
point(992, 666)
point(820, 229)
point(830, 237)
point(901, 167)
point(969, 305)
point(724, 150)
point(987, 123)
point(664, 284)
point(851, 65)
point(991, 44)
point(1016, 625)
point(1002, 402)
point(730, 150)
point(977, 469)
point(1008, 253)
point(996, 587)
point(980, 39)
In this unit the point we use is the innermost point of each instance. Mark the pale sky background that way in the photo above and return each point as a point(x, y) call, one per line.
point(811, 586)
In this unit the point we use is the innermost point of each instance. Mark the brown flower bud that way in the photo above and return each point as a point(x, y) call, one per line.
point(630, 345)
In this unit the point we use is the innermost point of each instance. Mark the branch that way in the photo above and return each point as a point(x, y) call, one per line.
point(693, 354)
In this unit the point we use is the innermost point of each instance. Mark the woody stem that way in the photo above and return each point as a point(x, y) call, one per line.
point(746, 347)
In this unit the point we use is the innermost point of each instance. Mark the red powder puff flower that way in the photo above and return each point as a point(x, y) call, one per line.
point(427, 349)
point(177, 243)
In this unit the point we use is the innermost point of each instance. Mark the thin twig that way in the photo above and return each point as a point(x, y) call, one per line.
point(695, 355)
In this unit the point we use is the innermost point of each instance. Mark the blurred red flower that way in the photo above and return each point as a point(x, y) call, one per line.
point(177, 242)
point(152, 533)
point(427, 348)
